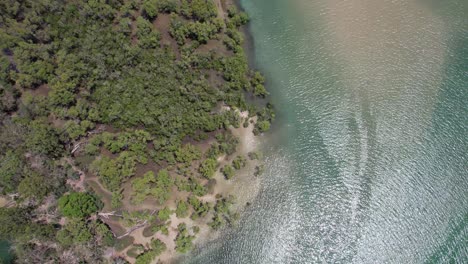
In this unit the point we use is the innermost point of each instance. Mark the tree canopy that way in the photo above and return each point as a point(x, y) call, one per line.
point(78, 204)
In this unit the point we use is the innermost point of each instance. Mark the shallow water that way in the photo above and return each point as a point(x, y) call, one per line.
point(367, 162)
point(5, 254)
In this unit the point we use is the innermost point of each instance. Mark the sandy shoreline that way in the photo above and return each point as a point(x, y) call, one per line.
point(244, 187)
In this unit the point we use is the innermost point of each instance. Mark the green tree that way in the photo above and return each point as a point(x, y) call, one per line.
point(78, 204)
point(183, 240)
point(203, 10)
point(150, 7)
point(228, 171)
point(11, 167)
point(164, 214)
point(239, 162)
point(182, 209)
point(158, 247)
point(43, 139)
point(208, 168)
point(33, 186)
point(76, 231)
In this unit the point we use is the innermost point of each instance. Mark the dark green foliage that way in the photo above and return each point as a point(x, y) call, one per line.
point(263, 126)
point(33, 186)
point(14, 221)
point(76, 231)
point(104, 233)
point(265, 117)
point(157, 246)
point(222, 213)
point(42, 139)
point(239, 162)
point(200, 209)
point(202, 10)
point(147, 36)
point(255, 155)
point(150, 7)
point(217, 222)
point(228, 171)
point(259, 170)
point(227, 143)
point(257, 81)
point(11, 167)
point(78, 205)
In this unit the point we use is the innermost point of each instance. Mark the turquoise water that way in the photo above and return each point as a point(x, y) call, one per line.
point(367, 162)
point(5, 256)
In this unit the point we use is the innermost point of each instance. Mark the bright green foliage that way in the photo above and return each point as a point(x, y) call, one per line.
point(113, 172)
point(150, 7)
point(116, 199)
point(182, 209)
point(187, 153)
point(150, 185)
point(239, 162)
point(164, 214)
point(157, 246)
point(183, 240)
point(77, 204)
point(134, 142)
point(208, 168)
point(228, 171)
point(76, 129)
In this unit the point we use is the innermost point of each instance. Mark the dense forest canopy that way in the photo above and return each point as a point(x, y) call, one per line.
point(114, 90)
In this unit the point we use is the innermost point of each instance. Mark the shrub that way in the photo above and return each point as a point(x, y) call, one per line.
point(78, 204)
